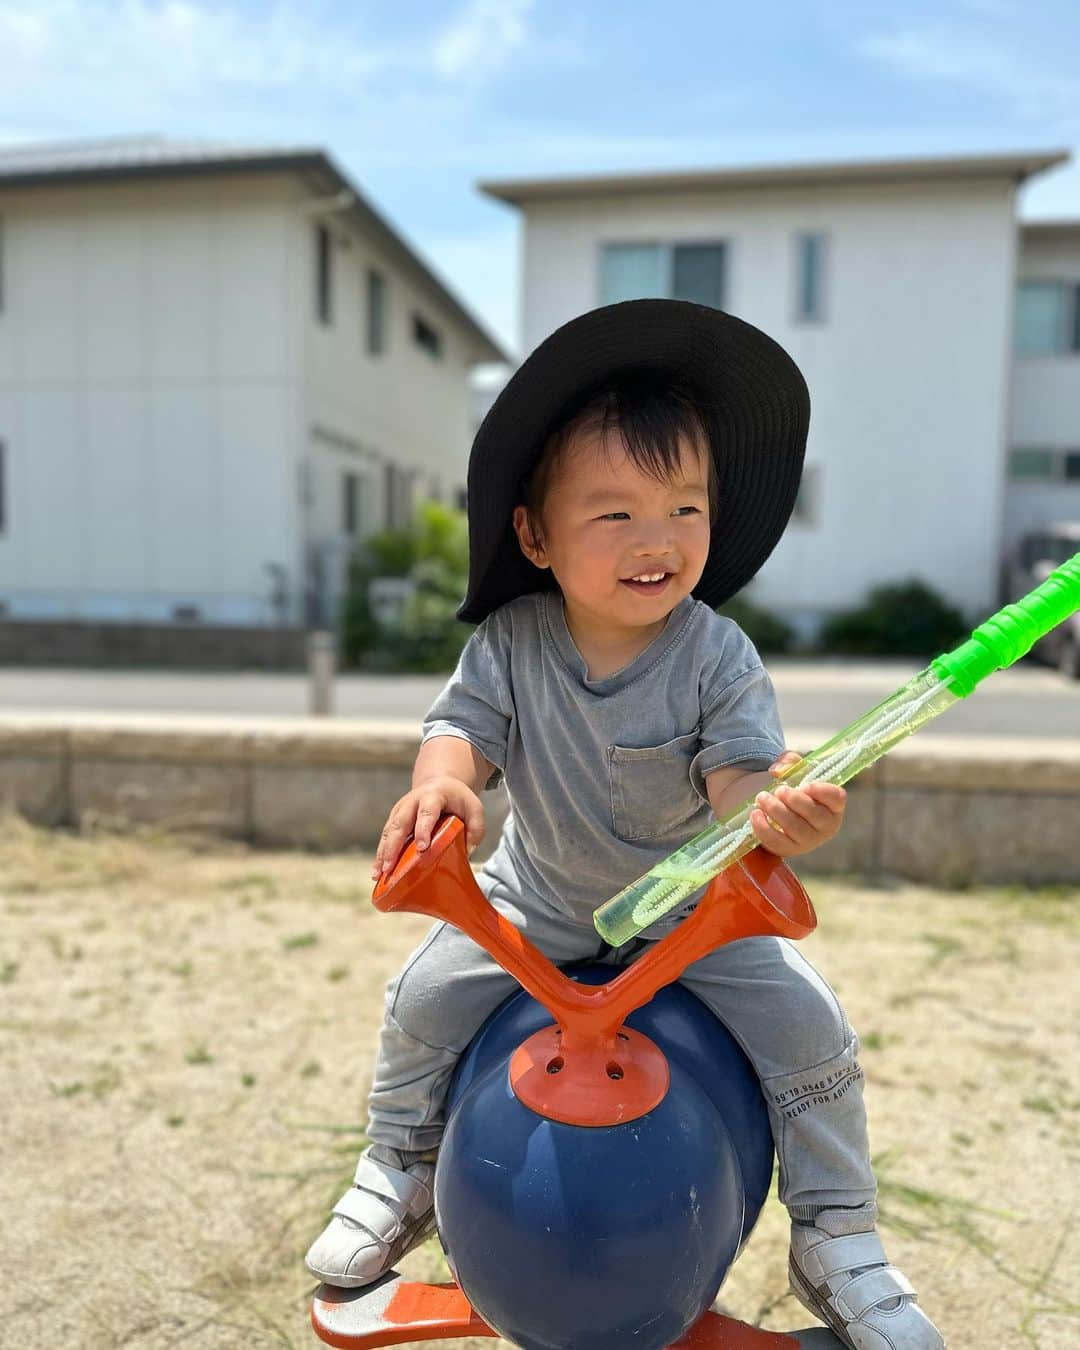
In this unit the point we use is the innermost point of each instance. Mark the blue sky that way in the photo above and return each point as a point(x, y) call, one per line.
point(418, 100)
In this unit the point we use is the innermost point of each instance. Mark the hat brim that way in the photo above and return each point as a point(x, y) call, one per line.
point(754, 401)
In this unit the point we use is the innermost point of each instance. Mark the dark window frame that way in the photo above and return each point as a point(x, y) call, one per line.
point(350, 502)
point(426, 336)
point(810, 305)
point(324, 280)
point(377, 313)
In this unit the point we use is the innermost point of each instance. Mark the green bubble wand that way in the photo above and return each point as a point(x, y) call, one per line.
point(995, 644)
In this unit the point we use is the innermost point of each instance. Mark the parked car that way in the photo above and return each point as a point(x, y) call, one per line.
point(1036, 556)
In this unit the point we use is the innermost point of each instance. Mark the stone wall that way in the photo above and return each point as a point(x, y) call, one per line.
point(947, 810)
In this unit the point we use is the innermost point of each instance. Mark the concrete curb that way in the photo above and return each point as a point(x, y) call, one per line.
point(946, 810)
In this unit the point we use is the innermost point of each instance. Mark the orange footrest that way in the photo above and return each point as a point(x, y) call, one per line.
point(400, 1312)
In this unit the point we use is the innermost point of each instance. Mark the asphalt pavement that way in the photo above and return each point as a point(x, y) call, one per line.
point(1027, 700)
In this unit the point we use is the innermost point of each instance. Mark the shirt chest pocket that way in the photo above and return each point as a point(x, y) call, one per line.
point(651, 792)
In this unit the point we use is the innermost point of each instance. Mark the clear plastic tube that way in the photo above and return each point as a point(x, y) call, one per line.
point(849, 752)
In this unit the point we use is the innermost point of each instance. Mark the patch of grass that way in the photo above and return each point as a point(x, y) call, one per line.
point(342, 895)
point(8, 971)
point(874, 1040)
point(942, 947)
point(336, 973)
point(182, 968)
point(199, 1054)
point(174, 1122)
point(311, 1069)
point(1006, 949)
point(105, 1080)
point(67, 1089)
point(250, 881)
point(1043, 1105)
point(248, 1079)
point(1048, 906)
point(292, 944)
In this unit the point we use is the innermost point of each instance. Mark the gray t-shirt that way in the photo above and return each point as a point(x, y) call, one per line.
point(605, 777)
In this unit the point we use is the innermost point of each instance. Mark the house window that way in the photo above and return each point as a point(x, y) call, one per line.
point(427, 337)
point(376, 312)
point(1047, 318)
point(1026, 462)
point(810, 278)
point(696, 272)
point(397, 497)
point(324, 257)
point(350, 502)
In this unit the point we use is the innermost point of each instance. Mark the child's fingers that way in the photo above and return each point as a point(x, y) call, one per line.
point(815, 813)
point(474, 825)
point(782, 818)
point(784, 761)
point(770, 836)
point(427, 817)
point(831, 795)
point(396, 830)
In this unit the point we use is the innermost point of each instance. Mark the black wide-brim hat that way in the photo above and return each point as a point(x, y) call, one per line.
point(753, 400)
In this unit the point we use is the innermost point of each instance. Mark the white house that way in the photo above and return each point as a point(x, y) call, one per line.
point(893, 285)
point(218, 366)
point(1044, 423)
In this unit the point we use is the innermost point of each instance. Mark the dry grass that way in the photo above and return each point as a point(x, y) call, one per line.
point(186, 1030)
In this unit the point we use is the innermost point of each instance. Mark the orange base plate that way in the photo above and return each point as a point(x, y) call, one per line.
point(399, 1312)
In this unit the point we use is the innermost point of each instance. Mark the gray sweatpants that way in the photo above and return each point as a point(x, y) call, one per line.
point(775, 1004)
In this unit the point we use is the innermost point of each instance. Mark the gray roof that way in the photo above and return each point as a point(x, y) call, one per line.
point(850, 173)
point(123, 159)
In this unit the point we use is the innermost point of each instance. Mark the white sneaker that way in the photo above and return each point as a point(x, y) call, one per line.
point(385, 1213)
point(840, 1272)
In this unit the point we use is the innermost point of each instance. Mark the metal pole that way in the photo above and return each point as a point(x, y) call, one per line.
point(320, 654)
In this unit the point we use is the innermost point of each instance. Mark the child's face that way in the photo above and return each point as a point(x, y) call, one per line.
point(605, 522)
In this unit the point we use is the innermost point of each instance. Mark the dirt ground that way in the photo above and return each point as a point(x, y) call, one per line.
point(186, 1031)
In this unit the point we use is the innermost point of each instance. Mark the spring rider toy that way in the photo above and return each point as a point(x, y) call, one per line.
point(607, 1148)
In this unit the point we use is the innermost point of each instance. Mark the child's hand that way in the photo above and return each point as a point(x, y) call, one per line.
point(790, 820)
point(417, 814)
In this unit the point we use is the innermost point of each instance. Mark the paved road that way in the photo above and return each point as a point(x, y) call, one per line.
point(1027, 701)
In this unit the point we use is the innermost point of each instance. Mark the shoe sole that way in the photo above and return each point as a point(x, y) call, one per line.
point(405, 1242)
point(812, 1301)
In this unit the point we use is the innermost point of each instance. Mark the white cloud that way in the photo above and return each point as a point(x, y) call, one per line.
point(156, 48)
point(483, 38)
point(963, 56)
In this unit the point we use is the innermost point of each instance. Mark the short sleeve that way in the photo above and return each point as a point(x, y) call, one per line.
point(475, 703)
point(740, 722)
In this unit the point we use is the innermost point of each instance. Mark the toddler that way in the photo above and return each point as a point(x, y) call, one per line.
point(634, 474)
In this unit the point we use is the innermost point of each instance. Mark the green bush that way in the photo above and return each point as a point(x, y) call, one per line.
point(908, 618)
point(434, 553)
point(766, 631)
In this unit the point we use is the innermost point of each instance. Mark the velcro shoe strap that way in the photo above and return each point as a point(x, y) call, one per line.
point(411, 1193)
point(373, 1214)
point(864, 1291)
point(839, 1254)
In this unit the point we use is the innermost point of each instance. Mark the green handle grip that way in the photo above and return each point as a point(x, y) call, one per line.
point(1007, 635)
